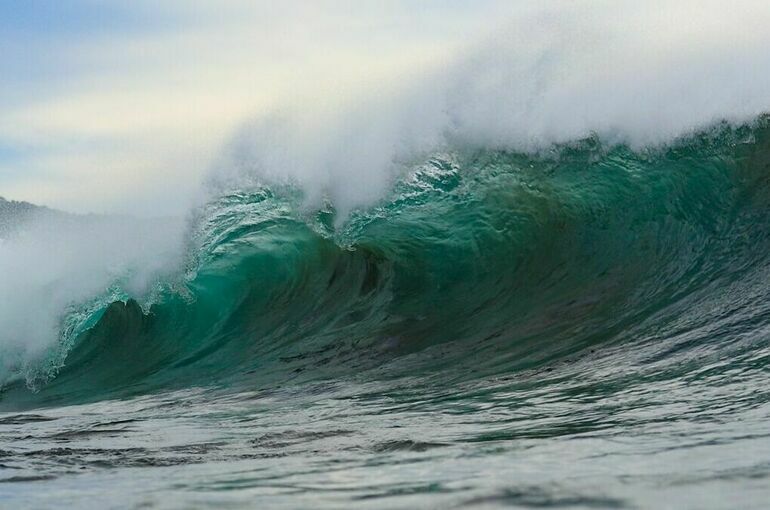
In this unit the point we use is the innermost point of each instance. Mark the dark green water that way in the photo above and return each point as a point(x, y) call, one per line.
point(584, 328)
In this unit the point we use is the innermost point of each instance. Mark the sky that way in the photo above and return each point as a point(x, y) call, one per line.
point(121, 107)
point(125, 107)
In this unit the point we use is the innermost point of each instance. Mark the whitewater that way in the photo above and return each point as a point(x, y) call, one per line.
point(535, 275)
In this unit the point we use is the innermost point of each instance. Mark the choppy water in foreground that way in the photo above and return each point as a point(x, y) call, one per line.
point(587, 328)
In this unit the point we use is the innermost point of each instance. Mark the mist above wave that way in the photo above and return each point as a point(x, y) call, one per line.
point(642, 75)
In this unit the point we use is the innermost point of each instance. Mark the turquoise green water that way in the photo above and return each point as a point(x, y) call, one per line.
point(587, 327)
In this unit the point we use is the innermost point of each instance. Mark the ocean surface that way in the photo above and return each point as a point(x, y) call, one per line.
point(584, 326)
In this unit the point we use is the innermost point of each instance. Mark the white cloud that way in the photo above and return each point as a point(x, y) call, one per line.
point(143, 110)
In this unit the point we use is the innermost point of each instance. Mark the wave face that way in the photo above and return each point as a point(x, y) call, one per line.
point(481, 263)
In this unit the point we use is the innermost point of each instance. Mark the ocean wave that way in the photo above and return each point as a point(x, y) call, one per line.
point(488, 263)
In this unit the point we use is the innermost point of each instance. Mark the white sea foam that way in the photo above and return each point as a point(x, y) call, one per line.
point(57, 263)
